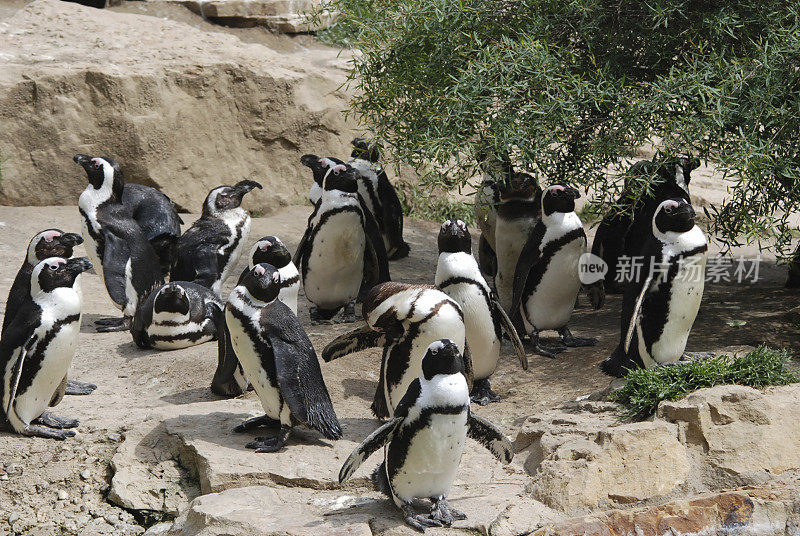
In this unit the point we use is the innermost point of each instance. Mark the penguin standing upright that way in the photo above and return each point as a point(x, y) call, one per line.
point(380, 197)
point(546, 282)
point(279, 360)
point(517, 215)
point(37, 348)
point(404, 319)
point(45, 244)
point(115, 243)
point(458, 275)
point(659, 307)
point(424, 441)
point(156, 215)
point(211, 247)
point(270, 250)
point(342, 249)
point(624, 232)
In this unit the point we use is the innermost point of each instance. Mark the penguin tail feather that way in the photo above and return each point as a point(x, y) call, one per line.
point(380, 481)
point(613, 365)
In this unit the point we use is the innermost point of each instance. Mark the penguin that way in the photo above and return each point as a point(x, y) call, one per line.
point(342, 249)
point(659, 308)
point(180, 314)
point(271, 250)
point(380, 197)
point(458, 276)
point(279, 360)
point(487, 197)
point(546, 281)
point(45, 244)
point(156, 215)
point(404, 319)
point(319, 166)
point(623, 231)
point(518, 213)
point(211, 247)
point(37, 348)
point(117, 246)
point(424, 441)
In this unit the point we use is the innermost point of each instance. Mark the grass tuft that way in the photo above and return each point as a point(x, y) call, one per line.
point(645, 389)
point(425, 204)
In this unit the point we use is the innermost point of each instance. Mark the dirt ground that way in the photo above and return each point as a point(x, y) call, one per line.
point(52, 488)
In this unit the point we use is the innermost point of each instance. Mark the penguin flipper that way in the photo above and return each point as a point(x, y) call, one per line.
point(469, 369)
point(375, 238)
point(511, 331)
point(16, 372)
point(302, 247)
point(392, 213)
point(491, 437)
point(528, 258)
point(299, 375)
point(224, 381)
point(368, 446)
point(115, 258)
point(354, 341)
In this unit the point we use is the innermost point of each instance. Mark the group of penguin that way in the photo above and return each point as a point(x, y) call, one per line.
point(441, 342)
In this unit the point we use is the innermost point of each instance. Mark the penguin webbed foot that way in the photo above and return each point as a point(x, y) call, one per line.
point(418, 521)
point(54, 421)
point(272, 443)
point(75, 387)
point(571, 341)
point(546, 350)
point(349, 314)
point(256, 422)
point(110, 325)
point(482, 393)
point(321, 316)
point(444, 513)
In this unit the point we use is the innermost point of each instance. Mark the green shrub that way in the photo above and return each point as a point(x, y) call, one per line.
point(432, 205)
point(645, 389)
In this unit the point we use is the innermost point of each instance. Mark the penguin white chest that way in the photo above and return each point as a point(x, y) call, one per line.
point(288, 295)
point(551, 303)
point(172, 331)
point(510, 238)
point(58, 353)
point(238, 222)
point(336, 261)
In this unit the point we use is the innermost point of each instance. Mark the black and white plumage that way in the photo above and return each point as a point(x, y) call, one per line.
point(496, 170)
point(546, 282)
point(380, 196)
point(518, 214)
point(271, 250)
point(45, 244)
point(116, 245)
point(211, 247)
point(156, 215)
point(319, 167)
point(37, 348)
point(458, 275)
point(424, 441)
point(342, 250)
point(403, 319)
point(278, 359)
point(624, 232)
point(659, 308)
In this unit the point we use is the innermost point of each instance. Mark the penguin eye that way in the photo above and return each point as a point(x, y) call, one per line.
point(668, 210)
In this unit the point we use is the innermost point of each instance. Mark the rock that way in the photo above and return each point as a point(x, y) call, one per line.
point(738, 434)
point(62, 495)
point(86, 474)
point(262, 511)
point(287, 16)
point(583, 460)
point(183, 114)
point(159, 529)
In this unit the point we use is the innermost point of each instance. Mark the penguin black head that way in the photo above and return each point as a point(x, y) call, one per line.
point(678, 171)
point(442, 357)
point(225, 198)
point(319, 165)
point(52, 243)
point(341, 177)
point(559, 198)
point(519, 186)
point(55, 272)
point(263, 282)
point(103, 172)
point(171, 298)
point(454, 237)
point(366, 151)
point(270, 250)
point(673, 215)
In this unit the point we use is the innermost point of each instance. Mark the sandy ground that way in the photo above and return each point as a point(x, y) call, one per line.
point(61, 486)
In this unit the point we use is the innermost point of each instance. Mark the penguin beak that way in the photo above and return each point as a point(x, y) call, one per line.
point(78, 265)
point(71, 239)
point(685, 211)
point(310, 160)
point(573, 192)
point(82, 159)
point(244, 187)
